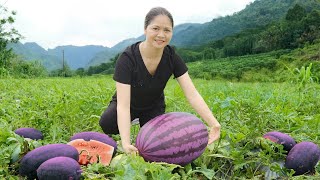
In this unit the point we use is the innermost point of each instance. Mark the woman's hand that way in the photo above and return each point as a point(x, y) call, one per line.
point(129, 149)
point(214, 133)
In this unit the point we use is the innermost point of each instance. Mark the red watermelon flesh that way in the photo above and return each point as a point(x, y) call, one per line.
point(177, 138)
point(93, 151)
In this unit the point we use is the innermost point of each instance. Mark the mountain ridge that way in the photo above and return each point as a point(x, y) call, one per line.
point(255, 14)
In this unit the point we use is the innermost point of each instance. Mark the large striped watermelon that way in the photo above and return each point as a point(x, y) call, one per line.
point(176, 138)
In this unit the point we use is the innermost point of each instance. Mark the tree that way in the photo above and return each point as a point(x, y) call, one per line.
point(26, 69)
point(311, 25)
point(7, 34)
point(296, 13)
point(208, 53)
point(80, 72)
point(63, 72)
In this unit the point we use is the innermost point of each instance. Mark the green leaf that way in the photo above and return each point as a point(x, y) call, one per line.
point(220, 156)
point(16, 154)
point(209, 173)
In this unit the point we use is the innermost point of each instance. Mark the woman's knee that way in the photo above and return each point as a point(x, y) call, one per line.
point(108, 120)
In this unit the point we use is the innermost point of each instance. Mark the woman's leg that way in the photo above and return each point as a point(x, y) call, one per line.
point(108, 120)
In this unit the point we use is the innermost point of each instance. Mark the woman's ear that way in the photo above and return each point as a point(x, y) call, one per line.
point(145, 31)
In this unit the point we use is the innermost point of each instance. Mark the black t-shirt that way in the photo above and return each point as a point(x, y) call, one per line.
point(147, 89)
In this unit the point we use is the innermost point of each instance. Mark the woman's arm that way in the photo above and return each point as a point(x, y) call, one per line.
point(199, 105)
point(123, 113)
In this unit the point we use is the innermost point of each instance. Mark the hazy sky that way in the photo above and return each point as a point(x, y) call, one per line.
point(51, 23)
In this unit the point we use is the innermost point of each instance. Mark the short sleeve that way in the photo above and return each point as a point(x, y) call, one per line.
point(123, 69)
point(179, 66)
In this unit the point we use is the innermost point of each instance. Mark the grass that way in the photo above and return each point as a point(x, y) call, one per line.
point(60, 107)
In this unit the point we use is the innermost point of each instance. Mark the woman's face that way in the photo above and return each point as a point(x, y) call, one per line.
point(159, 32)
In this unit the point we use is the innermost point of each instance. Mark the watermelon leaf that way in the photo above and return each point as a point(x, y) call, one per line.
point(220, 156)
point(208, 173)
point(98, 171)
point(15, 154)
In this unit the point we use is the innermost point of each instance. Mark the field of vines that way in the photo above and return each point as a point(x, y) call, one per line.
point(235, 67)
point(61, 107)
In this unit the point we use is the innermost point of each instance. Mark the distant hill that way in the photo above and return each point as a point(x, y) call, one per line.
point(106, 55)
point(101, 57)
point(257, 14)
point(77, 56)
point(34, 52)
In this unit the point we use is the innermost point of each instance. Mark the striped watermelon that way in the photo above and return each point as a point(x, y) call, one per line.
point(176, 138)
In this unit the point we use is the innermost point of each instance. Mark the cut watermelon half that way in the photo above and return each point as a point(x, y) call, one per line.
point(93, 151)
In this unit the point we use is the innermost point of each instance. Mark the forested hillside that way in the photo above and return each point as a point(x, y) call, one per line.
point(298, 27)
point(257, 14)
point(280, 49)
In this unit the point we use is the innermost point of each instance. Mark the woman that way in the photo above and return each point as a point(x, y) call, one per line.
point(141, 74)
